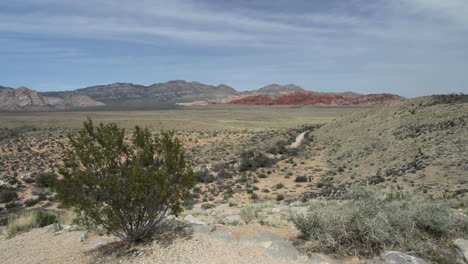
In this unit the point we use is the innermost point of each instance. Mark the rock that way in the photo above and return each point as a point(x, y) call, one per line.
point(83, 236)
point(223, 234)
point(462, 248)
point(197, 229)
point(396, 257)
point(232, 220)
point(51, 228)
point(316, 259)
point(259, 238)
point(95, 244)
point(191, 219)
point(202, 229)
point(282, 250)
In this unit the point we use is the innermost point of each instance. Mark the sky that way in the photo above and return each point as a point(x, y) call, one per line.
point(406, 47)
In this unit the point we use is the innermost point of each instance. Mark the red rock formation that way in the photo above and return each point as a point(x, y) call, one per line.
point(300, 97)
point(253, 100)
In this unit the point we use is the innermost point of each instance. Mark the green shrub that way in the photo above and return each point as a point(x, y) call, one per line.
point(279, 197)
point(7, 195)
point(249, 213)
point(46, 179)
point(127, 187)
point(301, 179)
point(224, 174)
point(30, 202)
point(42, 218)
point(207, 206)
point(279, 186)
point(204, 176)
point(251, 160)
point(11, 205)
point(371, 222)
point(28, 220)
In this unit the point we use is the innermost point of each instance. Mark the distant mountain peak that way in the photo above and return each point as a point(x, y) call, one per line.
point(25, 99)
point(277, 89)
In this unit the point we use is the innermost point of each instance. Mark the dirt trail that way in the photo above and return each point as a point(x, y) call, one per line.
point(299, 139)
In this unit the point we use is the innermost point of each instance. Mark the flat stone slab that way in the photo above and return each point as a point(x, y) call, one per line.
point(96, 243)
point(191, 219)
point(282, 250)
point(316, 259)
point(396, 257)
point(52, 228)
point(259, 238)
point(223, 234)
point(462, 248)
point(201, 229)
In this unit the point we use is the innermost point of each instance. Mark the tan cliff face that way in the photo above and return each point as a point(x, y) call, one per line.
point(25, 99)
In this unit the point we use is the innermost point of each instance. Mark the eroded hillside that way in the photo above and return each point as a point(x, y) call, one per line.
point(420, 144)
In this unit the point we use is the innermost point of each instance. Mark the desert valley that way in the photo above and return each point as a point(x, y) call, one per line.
point(234, 132)
point(265, 164)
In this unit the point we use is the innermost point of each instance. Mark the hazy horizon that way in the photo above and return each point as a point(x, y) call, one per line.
point(406, 47)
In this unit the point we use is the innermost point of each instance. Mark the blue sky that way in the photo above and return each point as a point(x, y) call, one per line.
point(408, 47)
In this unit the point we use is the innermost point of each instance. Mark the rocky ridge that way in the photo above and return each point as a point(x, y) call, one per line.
point(312, 98)
point(118, 96)
point(24, 99)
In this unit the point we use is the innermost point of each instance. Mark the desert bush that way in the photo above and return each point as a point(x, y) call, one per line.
point(29, 220)
point(249, 214)
point(251, 160)
point(30, 202)
point(224, 174)
point(279, 197)
point(301, 179)
point(46, 179)
point(204, 176)
point(452, 98)
point(7, 195)
point(207, 206)
point(371, 222)
point(125, 187)
point(11, 205)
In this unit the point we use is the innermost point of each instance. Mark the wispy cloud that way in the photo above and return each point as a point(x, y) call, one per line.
point(358, 38)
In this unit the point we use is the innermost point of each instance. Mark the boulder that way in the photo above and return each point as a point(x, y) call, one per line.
point(52, 228)
point(259, 238)
point(396, 257)
point(83, 236)
point(232, 220)
point(202, 229)
point(316, 259)
point(282, 250)
point(191, 219)
point(462, 248)
point(95, 244)
point(223, 234)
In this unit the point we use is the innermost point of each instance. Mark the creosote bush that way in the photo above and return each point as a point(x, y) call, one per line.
point(372, 221)
point(125, 186)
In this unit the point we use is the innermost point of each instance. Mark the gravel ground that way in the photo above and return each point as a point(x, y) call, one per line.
point(37, 246)
point(200, 249)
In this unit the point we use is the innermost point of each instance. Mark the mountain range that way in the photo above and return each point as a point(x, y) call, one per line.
point(134, 96)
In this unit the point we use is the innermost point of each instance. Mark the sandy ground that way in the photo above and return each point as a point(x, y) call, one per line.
point(38, 246)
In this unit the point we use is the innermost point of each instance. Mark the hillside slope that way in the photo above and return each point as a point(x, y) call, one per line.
point(419, 145)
